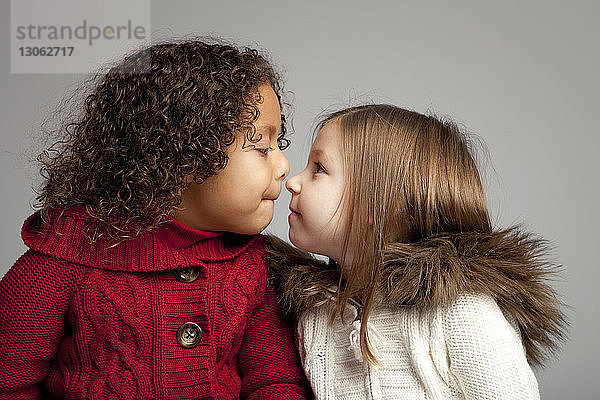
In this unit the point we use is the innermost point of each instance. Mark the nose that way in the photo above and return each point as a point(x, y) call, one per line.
point(293, 184)
point(283, 167)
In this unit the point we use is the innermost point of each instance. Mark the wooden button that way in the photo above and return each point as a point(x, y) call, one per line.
point(189, 274)
point(189, 335)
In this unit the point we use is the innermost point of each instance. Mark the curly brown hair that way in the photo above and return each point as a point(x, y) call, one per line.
point(163, 113)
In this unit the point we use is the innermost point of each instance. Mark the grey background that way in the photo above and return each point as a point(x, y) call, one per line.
point(522, 75)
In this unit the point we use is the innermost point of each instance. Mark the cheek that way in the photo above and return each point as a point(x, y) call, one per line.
point(261, 179)
point(250, 187)
point(329, 203)
point(319, 222)
point(249, 175)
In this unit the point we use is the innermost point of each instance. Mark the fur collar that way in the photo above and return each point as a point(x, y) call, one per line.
point(509, 265)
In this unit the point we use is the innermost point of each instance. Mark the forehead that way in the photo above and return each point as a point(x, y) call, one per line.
point(268, 123)
point(268, 106)
point(328, 140)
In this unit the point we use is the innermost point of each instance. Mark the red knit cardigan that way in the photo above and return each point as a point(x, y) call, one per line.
point(77, 323)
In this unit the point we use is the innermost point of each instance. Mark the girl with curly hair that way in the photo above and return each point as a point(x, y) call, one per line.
point(422, 299)
point(145, 276)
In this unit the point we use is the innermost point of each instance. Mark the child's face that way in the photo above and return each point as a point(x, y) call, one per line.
point(240, 197)
point(315, 225)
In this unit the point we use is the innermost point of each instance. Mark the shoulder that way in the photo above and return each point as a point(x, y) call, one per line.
point(37, 266)
point(470, 325)
point(467, 303)
point(475, 311)
point(485, 352)
point(38, 280)
point(474, 324)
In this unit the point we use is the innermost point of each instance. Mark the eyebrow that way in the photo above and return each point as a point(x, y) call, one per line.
point(269, 129)
point(318, 153)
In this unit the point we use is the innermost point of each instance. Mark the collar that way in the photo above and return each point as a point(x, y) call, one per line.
point(178, 235)
point(512, 266)
point(171, 245)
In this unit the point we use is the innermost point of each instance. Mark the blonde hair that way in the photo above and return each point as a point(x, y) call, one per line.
point(410, 176)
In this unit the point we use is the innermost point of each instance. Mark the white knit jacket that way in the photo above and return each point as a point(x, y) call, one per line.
point(465, 350)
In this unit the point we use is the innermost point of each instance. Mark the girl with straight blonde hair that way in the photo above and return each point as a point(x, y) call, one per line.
point(422, 298)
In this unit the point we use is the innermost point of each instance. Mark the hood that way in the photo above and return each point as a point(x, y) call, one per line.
point(170, 246)
point(510, 265)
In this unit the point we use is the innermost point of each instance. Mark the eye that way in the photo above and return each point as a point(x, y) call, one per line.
point(265, 150)
point(318, 168)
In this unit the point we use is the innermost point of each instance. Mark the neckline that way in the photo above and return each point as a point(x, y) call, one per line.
point(178, 235)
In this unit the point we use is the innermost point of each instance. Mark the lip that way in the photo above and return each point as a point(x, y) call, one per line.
point(273, 197)
point(293, 216)
point(294, 211)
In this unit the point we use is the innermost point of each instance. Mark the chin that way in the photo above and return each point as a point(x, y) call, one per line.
point(298, 242)
point(256, 229)
point(251, 230)
point(255, 224)
point(309, 245)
